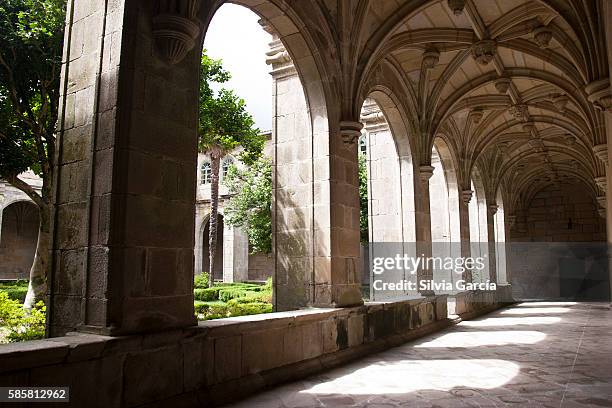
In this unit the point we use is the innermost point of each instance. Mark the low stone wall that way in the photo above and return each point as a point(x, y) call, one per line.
point(216, 361)
point(471, 304)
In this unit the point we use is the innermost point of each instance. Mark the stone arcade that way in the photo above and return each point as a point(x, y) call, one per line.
point(498, 114)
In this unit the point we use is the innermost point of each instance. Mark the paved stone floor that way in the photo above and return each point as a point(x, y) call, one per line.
point(543, 354)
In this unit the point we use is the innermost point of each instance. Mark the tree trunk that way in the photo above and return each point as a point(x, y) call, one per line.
point(37, 287)
point(215, 158)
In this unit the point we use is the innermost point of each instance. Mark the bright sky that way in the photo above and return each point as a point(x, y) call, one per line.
point(236, 37)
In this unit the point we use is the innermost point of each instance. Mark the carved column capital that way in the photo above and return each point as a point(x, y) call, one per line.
point(466, 196)
point(601, 182)
point(599, 94)
point(350, 131)
point(176, 30)
point(601, 206)
point(425, 173)
point(493, 208)
point(601, 151)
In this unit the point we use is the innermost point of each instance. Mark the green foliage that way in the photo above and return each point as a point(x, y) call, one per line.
point(201, 281)
point(17, 293)
point(200, 307)
point(234, 299)
point(236, 308)
point(232, 293)
point(250, 204)
point(31, 34)
point(20, 324)
point(363, 200)
point(15, 290)
point(224, 122)
point(206, 294)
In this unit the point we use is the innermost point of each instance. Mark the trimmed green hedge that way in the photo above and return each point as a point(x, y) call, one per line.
point(17, 293)
point(231, 299)
point(206, 295)
point(15, 290)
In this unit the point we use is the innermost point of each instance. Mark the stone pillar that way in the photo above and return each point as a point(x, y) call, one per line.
point(316, 197)
point(336, 215)
point(464, 230)
point(235, 254)
point(124, 199)
point(423, 226)
point(491, 253)
point(292, 204)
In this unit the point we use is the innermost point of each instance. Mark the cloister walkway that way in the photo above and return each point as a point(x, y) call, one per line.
point(545, 354)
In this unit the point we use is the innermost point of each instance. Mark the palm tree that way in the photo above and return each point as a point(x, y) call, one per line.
point(225, 125)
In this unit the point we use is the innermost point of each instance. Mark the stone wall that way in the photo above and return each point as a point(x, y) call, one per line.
point(564, 213)
point(470, 304)
point(18, 240)
point(18, 228)
point(218, 360)
point(261, 266)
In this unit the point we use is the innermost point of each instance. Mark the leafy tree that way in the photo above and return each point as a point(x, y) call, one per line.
point(224, 126)
point(250, 205)
point(363, 200)
point(31, 34)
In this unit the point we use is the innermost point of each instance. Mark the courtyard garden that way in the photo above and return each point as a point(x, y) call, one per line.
point(230, 299)
point(216, 302)
point(17, 323)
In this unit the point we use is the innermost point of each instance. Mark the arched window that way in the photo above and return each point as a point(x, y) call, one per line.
point(205, 173)
point(227, 162)
point(362, 144)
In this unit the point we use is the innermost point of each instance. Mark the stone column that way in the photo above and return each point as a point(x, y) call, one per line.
point(124, 199)
point(235, 254)
point(423, 226)
point(491, 253)
point(464, 229)
point(336, 215)
point(316, 197)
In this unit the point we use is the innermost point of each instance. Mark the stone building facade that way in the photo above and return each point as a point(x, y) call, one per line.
point(235, 262)
point(18, 229)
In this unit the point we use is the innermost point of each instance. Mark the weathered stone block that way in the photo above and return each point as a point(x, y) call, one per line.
point(154, 375)
point(228, 358)
point(355, 330)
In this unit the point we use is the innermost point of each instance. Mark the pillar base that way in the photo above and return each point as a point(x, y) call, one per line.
point(346, 295)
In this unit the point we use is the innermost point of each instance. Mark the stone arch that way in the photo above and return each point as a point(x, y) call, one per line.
point(500, 240)
point(444, 206)
point(18, 238)
point(294, 211)
point(479, 239)
point(407, 164)
point(390, 164)
point(298, 45)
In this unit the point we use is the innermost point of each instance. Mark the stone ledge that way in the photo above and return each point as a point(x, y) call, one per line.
point(225, 358)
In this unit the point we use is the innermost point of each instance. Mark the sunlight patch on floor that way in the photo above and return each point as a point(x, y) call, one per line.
point(485, 338)
point(541, 304)
point(535, 310)
point(511, 321)
point(406, 376)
